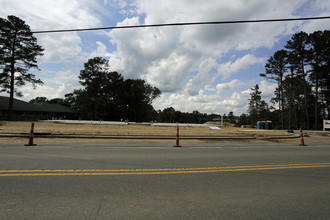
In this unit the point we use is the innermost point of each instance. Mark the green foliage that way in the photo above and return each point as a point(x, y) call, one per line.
point(275, 70)
point(107, 96)
point(170, 115)
point(302, 72)
point(19, 50)
point(57, 101)
point(231, 118)
point(319, 58)
point(18, 53)
point(38, 100)
point(137, 95)
point(298, 58)
point(244, 120)
point(258, 108)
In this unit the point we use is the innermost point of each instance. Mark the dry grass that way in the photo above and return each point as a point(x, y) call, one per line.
point(57, 128)
point(92, 129)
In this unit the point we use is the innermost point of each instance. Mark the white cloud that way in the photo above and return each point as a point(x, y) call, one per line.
point(168, 73)
point(227, 69)
point(217, 39)
point(317, 25)
point(100, 51)
point(48, 14)
point(232, 85)
point(237, 102)
point(59, 47)
point(150, 54)
point(52, 15)
point(56, 85)
point(201, 79)
point(267, 88)
point(44, 91)
point(166, 57)
point(186, 103)
point(189, 62)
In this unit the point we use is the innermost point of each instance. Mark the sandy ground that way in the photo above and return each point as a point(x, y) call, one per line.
point(92, 129)
point(57, 128)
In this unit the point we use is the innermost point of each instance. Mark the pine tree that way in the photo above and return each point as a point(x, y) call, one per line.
point(99, 98)
point(275, 70)
point(258, 108)
point(18, 53)
point(319, 55)
point(298, 59)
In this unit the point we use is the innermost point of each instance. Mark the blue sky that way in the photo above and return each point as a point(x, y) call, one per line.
point(205, 68)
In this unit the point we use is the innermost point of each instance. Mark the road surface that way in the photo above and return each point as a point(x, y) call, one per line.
point(139, 180)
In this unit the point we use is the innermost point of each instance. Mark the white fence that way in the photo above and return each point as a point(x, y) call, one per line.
point(129, 123)
point(326, 124)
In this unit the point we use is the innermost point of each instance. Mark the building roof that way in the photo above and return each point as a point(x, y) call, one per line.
point(20, 105)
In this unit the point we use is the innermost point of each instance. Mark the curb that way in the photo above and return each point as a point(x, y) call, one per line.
point(140, 137)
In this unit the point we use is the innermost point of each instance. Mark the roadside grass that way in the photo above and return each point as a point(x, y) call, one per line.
point(14, 127)
point(57, 128)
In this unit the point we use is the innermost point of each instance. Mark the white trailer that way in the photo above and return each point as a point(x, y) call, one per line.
point(326, 124)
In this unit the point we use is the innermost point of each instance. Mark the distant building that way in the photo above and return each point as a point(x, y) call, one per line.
point(24, 111)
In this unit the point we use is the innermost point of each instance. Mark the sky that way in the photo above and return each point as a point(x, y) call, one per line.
point(208, 68)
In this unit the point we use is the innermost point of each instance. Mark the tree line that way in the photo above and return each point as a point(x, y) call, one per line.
point(302, 73)
point(107, 96)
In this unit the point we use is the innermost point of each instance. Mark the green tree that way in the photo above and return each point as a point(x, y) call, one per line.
point(167, 115)
point(325, 82)
point(258, 108)
point(243, 120)
point(19, 50)
point(138, 96)
point(58, 101)
point(69, 99)
point(231, 118)
point(298, 56)
point(319, 55)
point(275, 70)
point(80, 103)
point(38, 100)
point(307, 57)
point(107, 96)
point(98, 99)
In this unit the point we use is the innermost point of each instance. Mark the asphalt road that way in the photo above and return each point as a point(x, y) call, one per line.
point(150, 180)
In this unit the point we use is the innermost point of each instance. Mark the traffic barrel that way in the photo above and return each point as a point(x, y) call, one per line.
point(302, 143)
point(177, 137)
point(31, 136)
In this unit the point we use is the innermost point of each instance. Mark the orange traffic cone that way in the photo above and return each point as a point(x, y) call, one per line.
point(177, 137)
point(31, 136)
point(302, 143)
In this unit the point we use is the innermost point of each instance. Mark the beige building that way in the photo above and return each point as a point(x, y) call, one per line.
point(24, 111)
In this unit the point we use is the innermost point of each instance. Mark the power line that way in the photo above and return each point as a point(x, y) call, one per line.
point(183, 24)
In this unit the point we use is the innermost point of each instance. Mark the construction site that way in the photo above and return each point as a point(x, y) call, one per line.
point(102, 131)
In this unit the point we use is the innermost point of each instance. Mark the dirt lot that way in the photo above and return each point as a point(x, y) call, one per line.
point(93, 129)
point(57, 128)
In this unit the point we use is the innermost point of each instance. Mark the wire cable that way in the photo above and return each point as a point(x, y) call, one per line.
point(182, 24)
